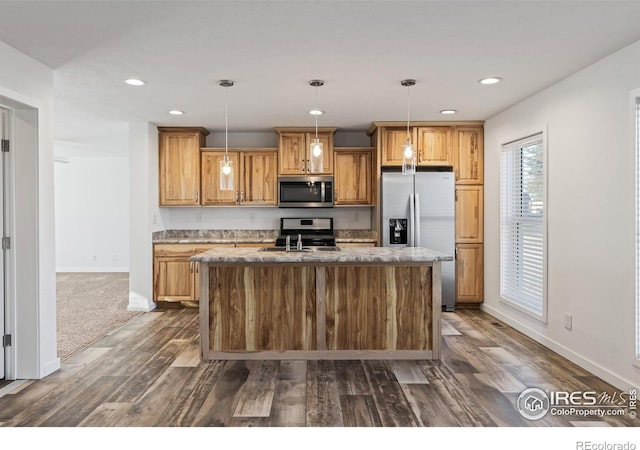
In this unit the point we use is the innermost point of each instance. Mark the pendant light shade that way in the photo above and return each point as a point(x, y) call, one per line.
point(226, 165)
point(316, 150)
point(408, 151)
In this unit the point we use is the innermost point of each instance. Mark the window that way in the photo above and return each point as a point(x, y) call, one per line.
point(523, 226)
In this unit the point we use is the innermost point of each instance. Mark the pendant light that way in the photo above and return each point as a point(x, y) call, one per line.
point(226, 165)
point(408, 152)
point(316, 147)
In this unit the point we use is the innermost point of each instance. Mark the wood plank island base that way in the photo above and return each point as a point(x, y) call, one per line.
point(357, 303)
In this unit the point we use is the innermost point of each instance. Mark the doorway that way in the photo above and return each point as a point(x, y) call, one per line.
point(5, 138)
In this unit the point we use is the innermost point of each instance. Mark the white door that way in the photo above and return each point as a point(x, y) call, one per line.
point(4, 135)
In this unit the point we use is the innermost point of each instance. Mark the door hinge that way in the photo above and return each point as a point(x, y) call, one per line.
point(6, 340)
point(6, 243)
point(5, 145)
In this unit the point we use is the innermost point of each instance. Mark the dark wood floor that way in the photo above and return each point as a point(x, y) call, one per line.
point(148, 373)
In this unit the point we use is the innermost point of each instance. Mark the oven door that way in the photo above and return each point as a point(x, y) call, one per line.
point(305, 192)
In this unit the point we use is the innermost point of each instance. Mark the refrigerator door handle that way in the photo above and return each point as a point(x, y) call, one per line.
point(417, 221)
point(412, 220)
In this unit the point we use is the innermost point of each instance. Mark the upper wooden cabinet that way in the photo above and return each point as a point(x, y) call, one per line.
point(293, 150)
point(434, 145)
point(393, 138)
point(211, 192)
point(254, 174)
point(353, 176)
point(179, 165)
point(259, 178)
point(469, 155)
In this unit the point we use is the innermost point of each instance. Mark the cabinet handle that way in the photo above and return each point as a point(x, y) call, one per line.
point(336, 195)
point(197, 196)
point(457, 174)
point(197, 267)
point(302, 166)
point(419, 155)
point(236, 197)
point(191, 267)
point(242, 197)
point(308, 166)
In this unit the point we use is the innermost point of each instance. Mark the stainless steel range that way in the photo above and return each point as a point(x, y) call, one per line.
point(316, 232)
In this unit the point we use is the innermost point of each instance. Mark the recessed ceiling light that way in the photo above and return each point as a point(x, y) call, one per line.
point(316, 112)
point(175, 112)
point(490, 80)
point(448, 111)
point(135, 82)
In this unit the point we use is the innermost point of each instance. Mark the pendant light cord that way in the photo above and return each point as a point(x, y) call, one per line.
point(408, 110)
point(226, 124)
point(316, 107)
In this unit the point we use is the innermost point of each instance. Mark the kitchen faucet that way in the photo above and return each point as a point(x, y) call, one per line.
point(299, 246)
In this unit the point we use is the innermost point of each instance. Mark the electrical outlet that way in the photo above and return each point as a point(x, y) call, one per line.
point(356, 217)
point(252, 217)
point(199, 217)
point(154, 219)
point(568, 321)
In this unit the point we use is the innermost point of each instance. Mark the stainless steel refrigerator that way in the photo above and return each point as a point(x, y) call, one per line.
point(419, 211)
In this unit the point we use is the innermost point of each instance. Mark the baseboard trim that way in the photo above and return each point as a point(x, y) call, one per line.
point(562, 350)
point(139, 303)
point(92, 269)
point(50, 367)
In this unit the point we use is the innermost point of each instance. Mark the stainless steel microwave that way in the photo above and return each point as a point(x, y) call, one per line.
point(305, 192)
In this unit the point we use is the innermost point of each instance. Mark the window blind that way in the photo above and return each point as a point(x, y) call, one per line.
point(522, 225)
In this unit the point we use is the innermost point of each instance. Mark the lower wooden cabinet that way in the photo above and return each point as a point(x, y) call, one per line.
point(469, 274)
point(175, 278)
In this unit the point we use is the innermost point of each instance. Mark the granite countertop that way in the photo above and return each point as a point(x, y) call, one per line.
point(369, 255)
point(246, 236)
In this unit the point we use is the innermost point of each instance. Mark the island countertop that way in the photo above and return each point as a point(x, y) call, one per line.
point(355, 255)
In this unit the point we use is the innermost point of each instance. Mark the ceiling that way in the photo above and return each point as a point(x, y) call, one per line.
point(272, 49)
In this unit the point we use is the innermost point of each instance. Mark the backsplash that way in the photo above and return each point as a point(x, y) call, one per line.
point(258, 218)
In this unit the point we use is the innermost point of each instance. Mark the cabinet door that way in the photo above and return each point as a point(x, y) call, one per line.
point(393, 138)
point(179, 168)
point(469, 214)
point(435, 146)
point(173, 279)
point(259, 178)
point(291, 153)
point(211, 193)
point(327, 152)
point(469, 155)
point(469, 277)
point(353, 177)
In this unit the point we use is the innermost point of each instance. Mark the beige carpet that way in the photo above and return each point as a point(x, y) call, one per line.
point(89, 305)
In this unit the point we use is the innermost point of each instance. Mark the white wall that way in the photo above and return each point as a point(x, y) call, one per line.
point(92, 214)
point(27, 87)
point(143, 211)
point(591, 215)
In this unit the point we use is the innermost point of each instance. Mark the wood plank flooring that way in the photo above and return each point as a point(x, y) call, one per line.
point(148, 374)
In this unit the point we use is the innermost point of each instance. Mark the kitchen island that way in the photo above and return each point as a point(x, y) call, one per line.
point(355, 303)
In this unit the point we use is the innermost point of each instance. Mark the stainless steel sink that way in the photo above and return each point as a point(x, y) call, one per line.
point(304, 249)
point(284, 250)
